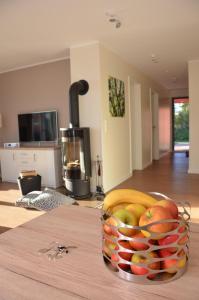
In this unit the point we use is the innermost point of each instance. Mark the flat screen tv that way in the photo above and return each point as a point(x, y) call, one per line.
point(38, 127)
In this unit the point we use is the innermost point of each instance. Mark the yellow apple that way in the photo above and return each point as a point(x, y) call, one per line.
point(182, 262)
point(137, 209)
point(119, 206)
point(128, 218)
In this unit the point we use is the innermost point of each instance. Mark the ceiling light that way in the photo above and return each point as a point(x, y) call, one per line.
point(118, 24)
point(113, 19)
point(154, 58)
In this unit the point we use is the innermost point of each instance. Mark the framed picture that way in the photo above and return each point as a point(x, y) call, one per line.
point(116, 97)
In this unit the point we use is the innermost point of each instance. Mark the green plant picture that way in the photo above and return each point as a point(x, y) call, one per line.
point(116, 97)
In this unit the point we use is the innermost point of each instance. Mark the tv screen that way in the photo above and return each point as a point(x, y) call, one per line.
point(38, 127)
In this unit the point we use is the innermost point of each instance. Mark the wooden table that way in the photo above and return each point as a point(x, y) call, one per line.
point(81, 274)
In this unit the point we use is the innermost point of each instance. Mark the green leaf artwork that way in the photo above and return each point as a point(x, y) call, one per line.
point(116, 97)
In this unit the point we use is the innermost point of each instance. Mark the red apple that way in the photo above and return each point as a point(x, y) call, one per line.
point(108, 247)
point(153, 242)
point(109, 225)
point(154, 214)
point(169, 263)
point(177, 263)
point(125, 255)
point(128, 218)
point(114, 259)
point(182, 228)
point(164, 252)
point(183, 240)
point(136, 245)
point(138, 270)
point(107, 229)
point(169, 239)
point(170, 205)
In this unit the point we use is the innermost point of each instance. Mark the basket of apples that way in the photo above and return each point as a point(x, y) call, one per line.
point(145, 236)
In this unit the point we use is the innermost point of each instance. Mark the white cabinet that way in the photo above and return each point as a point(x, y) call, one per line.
point(9, 168)
point(45, 161)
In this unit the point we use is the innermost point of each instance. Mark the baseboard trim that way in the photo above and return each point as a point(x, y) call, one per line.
point(120, 181)
point(193, 171)
point(147, 165)
point(165, 153)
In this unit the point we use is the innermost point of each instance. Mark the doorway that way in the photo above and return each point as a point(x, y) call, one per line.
point(180, 125)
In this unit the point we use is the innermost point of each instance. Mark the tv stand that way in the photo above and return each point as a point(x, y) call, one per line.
point(45, 160)
point(39, 144)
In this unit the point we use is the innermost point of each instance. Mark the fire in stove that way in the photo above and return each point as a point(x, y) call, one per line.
point(76, 155)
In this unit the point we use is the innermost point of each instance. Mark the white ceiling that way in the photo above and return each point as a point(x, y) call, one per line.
point(34, 31)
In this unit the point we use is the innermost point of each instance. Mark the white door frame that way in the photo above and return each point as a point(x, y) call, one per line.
point(135, 125)
point(154, 109)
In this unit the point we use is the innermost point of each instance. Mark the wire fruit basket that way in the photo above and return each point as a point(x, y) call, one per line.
point(153, 263)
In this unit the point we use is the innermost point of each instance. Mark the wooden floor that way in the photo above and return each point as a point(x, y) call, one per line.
point(11, 216)
point(168, 175)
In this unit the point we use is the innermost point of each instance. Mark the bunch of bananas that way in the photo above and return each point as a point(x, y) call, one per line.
point(127, 196)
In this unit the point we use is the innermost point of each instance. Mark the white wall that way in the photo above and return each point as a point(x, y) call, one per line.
point(110, 136)
point(165, 124)
point(38, 88)
point(116, 138)
point(194, 116)
point(115, 132)
point(85, 64)
point(179, 93)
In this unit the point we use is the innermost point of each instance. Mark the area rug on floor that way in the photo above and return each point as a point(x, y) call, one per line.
point(44, 200)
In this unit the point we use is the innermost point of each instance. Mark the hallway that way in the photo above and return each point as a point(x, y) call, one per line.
point(169, 176)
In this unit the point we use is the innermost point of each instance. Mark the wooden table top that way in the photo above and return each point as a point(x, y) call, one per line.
point(81, 274)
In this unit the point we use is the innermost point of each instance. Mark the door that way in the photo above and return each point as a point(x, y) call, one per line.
point(180, 124)
point(155, 126)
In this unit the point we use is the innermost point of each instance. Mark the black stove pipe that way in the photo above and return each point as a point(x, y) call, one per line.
point(80, 87)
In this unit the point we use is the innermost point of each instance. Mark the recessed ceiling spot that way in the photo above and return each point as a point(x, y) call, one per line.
point(114, 20)
point(154, 58)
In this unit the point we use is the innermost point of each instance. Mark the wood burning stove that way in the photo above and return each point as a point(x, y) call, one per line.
point(76, 155)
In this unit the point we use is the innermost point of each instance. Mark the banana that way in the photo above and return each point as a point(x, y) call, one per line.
point(116, 197)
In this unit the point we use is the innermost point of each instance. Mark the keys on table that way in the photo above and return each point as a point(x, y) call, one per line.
point(55, 250)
